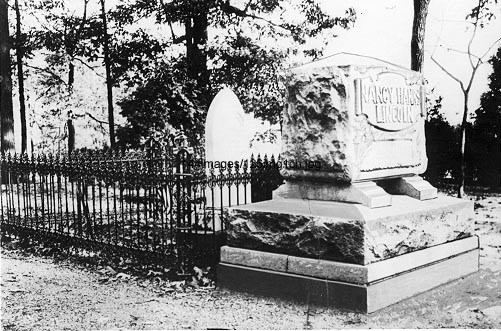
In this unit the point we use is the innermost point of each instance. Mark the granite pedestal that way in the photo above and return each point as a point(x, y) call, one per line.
point(347, 255)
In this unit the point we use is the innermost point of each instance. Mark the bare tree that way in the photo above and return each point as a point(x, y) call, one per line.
point(475, 62)
point(6, 111)
point(20, 78)
point(418, 33)
point(71, 50)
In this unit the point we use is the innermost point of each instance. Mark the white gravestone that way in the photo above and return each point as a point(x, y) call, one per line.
point(227, 138)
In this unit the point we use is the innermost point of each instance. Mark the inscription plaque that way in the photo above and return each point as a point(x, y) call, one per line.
point(390, 103)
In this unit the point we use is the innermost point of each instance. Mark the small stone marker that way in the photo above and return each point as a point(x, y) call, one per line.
point(226, 139)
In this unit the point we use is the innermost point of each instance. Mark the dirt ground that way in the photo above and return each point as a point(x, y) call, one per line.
point(43, 294)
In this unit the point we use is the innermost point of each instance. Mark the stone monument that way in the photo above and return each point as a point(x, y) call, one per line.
point(226, 140)
point(364, 231)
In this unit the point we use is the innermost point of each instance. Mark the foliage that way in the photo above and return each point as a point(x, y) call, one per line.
point(483, 13)
point(60, 41)
point(487, 129)
point(66, 35)
point(479, 16)
point(86, 105)
point(441, 143)
point(135, 56)
point(483, 148)
point(252, 71)
point(265, 178)
point(164, 104)
point(173, 56)
point(250, 44)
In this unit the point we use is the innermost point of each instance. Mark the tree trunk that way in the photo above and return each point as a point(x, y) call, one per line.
point(418, 32)
point(190, 49)
point(71, 76)
point(200, 24)
point(20, 78)
point(463, 145)
point(69, 121)
point(109, 83)
point(196, 36)
point(7, 143)
point(71, 136)
point(498, 177)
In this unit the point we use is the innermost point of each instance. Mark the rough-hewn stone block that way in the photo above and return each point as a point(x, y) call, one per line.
point(345, 232)
point(359, 122)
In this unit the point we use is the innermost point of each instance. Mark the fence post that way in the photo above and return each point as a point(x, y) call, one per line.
point(179, 237)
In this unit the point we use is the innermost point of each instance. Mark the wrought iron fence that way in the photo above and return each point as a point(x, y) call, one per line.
point(164, 201)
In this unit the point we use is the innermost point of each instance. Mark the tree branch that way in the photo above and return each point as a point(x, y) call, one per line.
point(48, 71)
point(164, 6)
point(448, 73)
point(172, 30)
point(46, 91)
point(88, 66)
point(463, 52)
point(179, 40)
point(474, 71)
point(45, 27)
point(101, 123)
point(470, 54)
point(452, 21)
point(229, 9)
point(79, 31)
point(95, 119)
point(475, 24)
point(82, 24)
point(490, 48)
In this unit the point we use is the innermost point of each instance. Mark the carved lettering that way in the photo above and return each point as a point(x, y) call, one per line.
point(394, 114)
point(373, 94)
point(391, 104)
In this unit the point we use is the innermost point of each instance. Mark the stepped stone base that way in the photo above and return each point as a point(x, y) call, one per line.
point(344, 232)
point(344, 285)
point(348, 255)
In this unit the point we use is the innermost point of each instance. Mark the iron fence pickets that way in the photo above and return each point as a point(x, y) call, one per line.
point(160, 200)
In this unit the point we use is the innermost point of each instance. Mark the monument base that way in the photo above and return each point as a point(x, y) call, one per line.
point(348, 255)
point(348, 232)
point(369, 193)
point(364, 288)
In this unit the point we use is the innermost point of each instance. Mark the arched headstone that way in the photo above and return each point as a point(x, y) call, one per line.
point(227, 138)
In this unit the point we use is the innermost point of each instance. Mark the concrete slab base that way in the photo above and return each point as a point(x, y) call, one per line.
point(343, 285)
